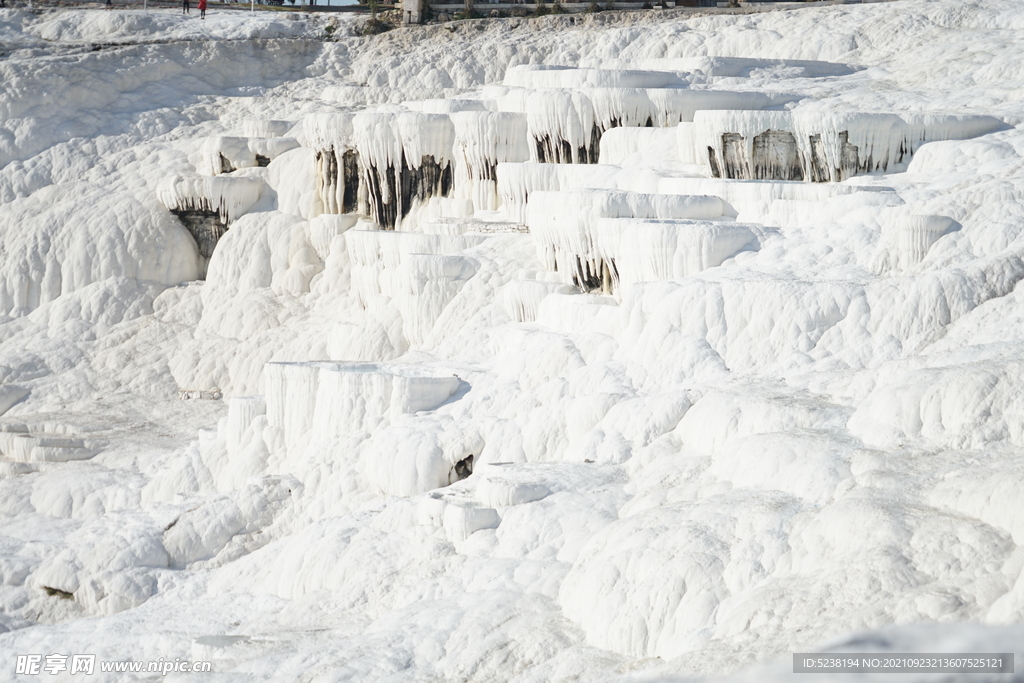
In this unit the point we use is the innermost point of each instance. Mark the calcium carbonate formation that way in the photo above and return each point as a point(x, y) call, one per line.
point(224, 154)
point(206, 206)
point(399, 165)
point(819, 146)
point(337, 171)
point(573, 238)
point(574, 348)
point(404, 194)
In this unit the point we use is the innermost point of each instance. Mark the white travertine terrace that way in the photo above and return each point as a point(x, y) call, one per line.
point(816, 145)
point(227, 197)
point(484, 139)
point(571, 239)
point(225, 154)
point(492, 379)
point(330, 400)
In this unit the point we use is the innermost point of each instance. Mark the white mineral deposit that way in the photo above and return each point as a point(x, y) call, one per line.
point(610, 346)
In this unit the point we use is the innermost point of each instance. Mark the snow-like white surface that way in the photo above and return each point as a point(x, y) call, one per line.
point(229, 198)
point(787, 415)
point(574, 238)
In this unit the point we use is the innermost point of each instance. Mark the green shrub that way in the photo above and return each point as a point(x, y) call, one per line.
point(373, 26)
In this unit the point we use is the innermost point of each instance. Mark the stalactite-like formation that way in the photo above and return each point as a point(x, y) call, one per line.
point(484, 139)
point(207, 206)
point(405, 160)
point(517, 181)
point(337, 180)
point(577, 235)
point(818, 146)
point(776, 156)
point(566, 123)
point(337, 161)
point(204, 225)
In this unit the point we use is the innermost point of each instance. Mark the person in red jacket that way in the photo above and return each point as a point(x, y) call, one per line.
point(202, 9)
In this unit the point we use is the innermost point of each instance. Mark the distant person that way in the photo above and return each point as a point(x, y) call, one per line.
point(185, 7)
point(110, 5)
point(202, 9)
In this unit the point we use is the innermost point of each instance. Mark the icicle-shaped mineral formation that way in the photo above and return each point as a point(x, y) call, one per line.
point(817, 146)
point(646, 250)
point(337, 162)
point(517, 181)
point(405, 159)
point(207, 206)
point(569, 109)
point(565, 224)
point(484, 139)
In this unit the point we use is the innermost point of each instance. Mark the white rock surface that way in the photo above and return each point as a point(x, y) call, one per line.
point(791, 422)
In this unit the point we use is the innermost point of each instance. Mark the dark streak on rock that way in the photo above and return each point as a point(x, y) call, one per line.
point(204, 225)
point(58, 593)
